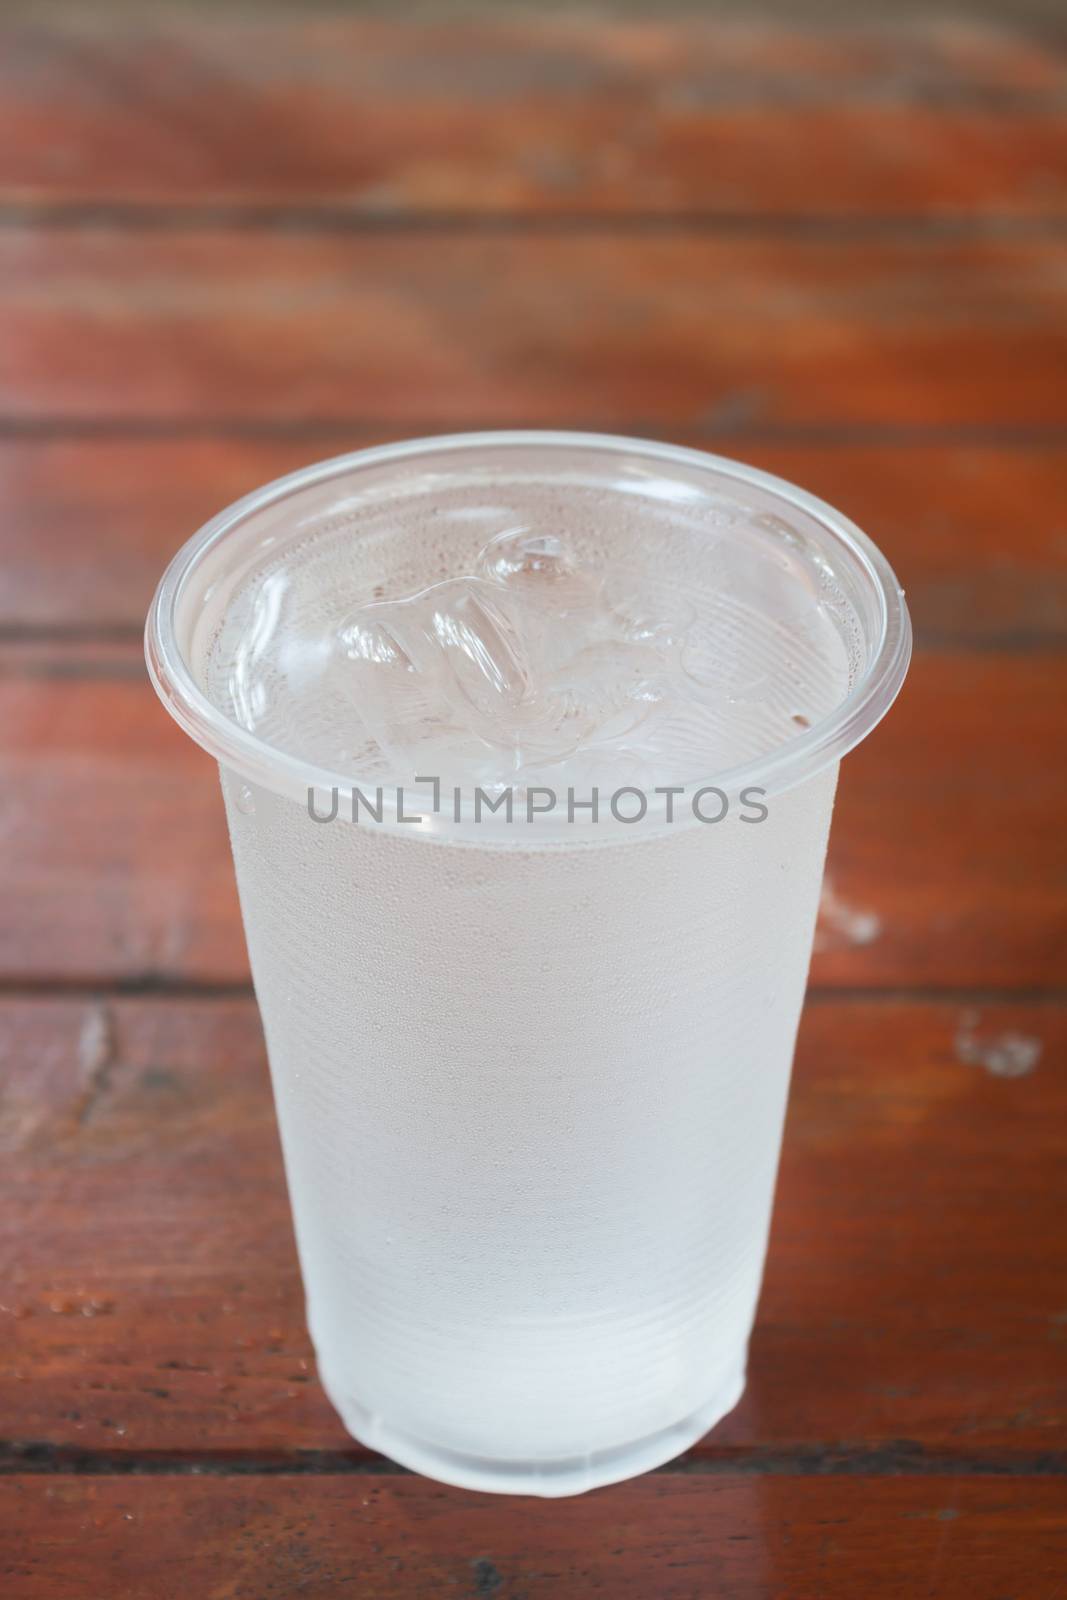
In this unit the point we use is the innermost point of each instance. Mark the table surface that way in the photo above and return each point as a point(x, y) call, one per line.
point(233, 243)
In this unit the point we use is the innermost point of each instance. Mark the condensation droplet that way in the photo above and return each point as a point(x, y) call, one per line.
point(246, 800)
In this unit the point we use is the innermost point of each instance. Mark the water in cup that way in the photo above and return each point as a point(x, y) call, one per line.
point(496, 638)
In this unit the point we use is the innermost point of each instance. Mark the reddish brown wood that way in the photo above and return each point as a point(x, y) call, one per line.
point(944, 865)
point(74, 655)
point(977, 534)
point(972, 530)
point(948, 831)
point(110, 868)
point(818, 248)
point(602, 329)
point(730, 1538)
point(914, 1289)
point(557, 113)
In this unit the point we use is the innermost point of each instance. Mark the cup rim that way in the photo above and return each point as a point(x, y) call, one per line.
point(774, 771)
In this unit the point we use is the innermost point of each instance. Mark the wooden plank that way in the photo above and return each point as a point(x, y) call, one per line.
point(929, 837)
point(914, 1288)
point(978, 535)
point(675, 1538)
point(116, 861)
point(519, 114)
point(98, 325)
point(944, 863)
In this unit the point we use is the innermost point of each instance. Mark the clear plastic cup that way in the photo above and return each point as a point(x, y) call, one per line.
point(530, 1075)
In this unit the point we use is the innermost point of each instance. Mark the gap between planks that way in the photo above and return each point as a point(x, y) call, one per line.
point(153, 986)
point(112, 650)
point(267, 217)
point(903, 1459)
point(358, 430)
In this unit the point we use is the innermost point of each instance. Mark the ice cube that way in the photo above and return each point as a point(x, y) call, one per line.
point(448, 660)
point(539, 567)
point(392, 698)
point(614, 686)
point(518, 667)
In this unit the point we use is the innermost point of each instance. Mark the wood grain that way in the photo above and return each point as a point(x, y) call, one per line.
point(914, 1289)
point(945, 859)
point(729, 1538)
point(558, 114)
point(978, 535)
point(556, 329)
point(233, 240)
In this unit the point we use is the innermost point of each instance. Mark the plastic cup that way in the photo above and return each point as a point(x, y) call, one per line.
point(530, 1076)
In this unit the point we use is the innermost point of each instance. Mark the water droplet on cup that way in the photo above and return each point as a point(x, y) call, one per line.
point(246, 801)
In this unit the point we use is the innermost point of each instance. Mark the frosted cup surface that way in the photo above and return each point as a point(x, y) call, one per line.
point(530, 1070)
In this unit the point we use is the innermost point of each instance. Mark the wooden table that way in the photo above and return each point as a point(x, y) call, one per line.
point(230, 244)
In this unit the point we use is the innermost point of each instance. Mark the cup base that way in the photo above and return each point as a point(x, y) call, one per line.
point(551, 1478)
